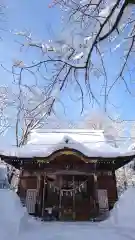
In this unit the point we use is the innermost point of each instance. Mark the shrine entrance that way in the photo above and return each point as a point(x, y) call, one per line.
point(69, 189)
point(70, 197)
point(75, 199)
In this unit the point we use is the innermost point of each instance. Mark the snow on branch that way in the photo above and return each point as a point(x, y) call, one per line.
point(93, 30)
point(114, 128)
point(33, 106)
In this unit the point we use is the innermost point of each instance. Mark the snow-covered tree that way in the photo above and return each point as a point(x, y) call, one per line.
point(6, 102)
point(125, 177)
point(26, 107)
point(33, 106)
point(114, 128)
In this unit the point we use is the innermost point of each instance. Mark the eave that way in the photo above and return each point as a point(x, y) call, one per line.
point(99, 162)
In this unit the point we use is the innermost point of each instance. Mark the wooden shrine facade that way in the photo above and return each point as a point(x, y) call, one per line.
point(68, 185)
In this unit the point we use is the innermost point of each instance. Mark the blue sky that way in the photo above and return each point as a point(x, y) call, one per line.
point(45, 23)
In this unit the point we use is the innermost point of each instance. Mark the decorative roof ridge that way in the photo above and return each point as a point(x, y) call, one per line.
point(66, 130)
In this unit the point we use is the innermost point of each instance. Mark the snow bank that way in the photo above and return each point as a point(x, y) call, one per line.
point(123, 213)
point(11, 214)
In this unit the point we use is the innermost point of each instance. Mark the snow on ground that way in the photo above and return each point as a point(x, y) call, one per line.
point(15, 224)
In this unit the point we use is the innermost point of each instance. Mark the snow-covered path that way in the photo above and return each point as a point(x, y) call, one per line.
point(15, 224)
point(67, 231)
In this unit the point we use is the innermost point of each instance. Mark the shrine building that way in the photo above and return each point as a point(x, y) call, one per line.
point(67, 174)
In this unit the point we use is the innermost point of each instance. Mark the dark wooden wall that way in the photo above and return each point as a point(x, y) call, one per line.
point(104, 181)
point(109, 183)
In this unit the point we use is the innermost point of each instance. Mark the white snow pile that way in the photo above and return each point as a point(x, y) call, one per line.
point(11, 213)
point(15, 223)
point(123, 213)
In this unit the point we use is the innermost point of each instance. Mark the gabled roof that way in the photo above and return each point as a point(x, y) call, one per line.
point(91, 143)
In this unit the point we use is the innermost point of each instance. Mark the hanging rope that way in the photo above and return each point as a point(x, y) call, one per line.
point(71, 191)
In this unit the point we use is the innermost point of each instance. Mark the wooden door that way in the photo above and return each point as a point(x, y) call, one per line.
point(66, 198)
point(77, 199)
point(82, 198)
point(31, 200)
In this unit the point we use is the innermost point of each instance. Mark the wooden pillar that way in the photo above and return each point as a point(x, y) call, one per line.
point(96, 189)
point(43, 196)
point(60, 198)
point(19, 191)
point(38, 194)
point(114, 178)
point(74, 212)
point(41, 193)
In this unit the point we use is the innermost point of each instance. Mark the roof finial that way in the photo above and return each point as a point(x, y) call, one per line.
point(67, 140)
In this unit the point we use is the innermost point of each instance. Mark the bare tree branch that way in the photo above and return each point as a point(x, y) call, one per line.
point(90, 26)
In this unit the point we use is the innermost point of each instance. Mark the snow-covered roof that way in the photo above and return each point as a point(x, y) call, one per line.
point(132, 147)
point(52, 136)
point(91, 143)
